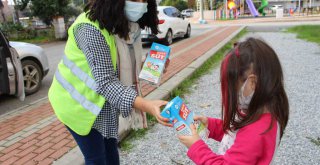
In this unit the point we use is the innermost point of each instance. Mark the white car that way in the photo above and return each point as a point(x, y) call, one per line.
point(171, 25)
point(22, 67)
point(187, 12)
point(275, 7)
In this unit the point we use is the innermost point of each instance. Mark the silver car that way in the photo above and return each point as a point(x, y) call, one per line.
point(22, 67)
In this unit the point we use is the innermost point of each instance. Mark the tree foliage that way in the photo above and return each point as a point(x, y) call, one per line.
point(179, 4)
point(46, 10)
point(21, 4)
point(192, 4)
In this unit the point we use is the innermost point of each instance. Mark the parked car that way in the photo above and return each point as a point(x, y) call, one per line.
point(22, 67)
point(38, 24)
point(275, 7)
point(171, 25)
point(187, 12)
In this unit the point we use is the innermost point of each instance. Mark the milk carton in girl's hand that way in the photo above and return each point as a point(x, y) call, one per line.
point(155, 63)
point(181, 117)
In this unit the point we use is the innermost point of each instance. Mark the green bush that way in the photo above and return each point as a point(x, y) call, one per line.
point(10, 27)
point(16, 32)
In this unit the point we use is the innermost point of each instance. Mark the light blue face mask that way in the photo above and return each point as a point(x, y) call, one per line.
point(244, 101)
point(135, 10)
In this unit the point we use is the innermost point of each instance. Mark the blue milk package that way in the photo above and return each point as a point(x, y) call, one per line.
point(181, 118)
point(155, 63)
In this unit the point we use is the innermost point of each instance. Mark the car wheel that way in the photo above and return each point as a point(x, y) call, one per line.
point(169, 38)
point(188, 33)
point(32, 76)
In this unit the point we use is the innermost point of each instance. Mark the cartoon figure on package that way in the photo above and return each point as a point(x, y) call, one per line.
point(155, 67)
point(149, 65)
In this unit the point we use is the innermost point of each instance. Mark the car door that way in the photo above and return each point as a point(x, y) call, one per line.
point(4, 55)
point(172, 21)
point(181, 27)
point(11, 74)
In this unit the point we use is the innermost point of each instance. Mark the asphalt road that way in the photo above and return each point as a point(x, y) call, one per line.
point(54, 52)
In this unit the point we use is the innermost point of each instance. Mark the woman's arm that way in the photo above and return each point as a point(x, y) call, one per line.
point(94, 46)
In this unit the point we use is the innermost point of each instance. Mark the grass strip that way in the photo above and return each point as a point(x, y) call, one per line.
point(309, 33)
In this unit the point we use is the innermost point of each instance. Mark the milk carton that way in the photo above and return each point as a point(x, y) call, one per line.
point(181, 117)
point(155, 63)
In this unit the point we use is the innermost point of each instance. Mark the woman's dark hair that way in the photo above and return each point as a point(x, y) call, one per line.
point(269, 92)
point(111, 16)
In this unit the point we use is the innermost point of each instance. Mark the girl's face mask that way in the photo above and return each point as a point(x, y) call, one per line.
point(244, 101)
point(135, 10)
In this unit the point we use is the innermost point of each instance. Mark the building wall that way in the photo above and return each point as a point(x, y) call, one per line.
point(294, 4)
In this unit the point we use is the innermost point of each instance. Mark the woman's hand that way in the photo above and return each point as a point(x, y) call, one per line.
point(202, 119)
point(166, 66)
point(189, 140)
point(153, 108)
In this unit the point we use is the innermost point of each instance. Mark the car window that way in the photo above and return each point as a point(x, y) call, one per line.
point(176, 12)
point(171, 12)
point(168, 12)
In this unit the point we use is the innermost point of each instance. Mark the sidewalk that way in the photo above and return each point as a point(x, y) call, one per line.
point(35, 136)
point(260, 20)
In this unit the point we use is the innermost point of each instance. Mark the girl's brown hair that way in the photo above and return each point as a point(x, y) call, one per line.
point(269, 92)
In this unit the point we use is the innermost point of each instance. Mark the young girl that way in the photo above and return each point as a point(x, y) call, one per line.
point(255, 109)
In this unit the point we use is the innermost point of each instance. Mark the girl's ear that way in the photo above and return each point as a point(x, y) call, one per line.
point(252, 81)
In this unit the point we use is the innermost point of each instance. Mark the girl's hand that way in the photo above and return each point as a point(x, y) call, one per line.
point(153, 108)
point(189, 140)
point(202, 119)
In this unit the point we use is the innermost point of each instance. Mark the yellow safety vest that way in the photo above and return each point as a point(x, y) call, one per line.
point(72, 93)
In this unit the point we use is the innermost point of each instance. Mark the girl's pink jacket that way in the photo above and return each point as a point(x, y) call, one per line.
point(252, 145)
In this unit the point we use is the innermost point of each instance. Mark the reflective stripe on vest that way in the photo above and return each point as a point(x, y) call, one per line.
point(73, 93)
point(94, 109)
point(79, 73)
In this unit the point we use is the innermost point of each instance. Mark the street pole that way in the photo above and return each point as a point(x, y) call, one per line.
point(310, 4)
point(226, 8)
point(201, 20)
point(299, 6)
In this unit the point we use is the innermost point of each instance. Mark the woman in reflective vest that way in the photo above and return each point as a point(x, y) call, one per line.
point(96, 80)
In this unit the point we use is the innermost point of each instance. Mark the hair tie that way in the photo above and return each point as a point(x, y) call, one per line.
point(237, 52)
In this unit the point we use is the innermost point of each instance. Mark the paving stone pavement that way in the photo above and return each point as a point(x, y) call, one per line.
point(34, 135)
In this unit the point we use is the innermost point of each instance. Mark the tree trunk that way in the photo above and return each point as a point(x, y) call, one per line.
point(3, 16)
point(59, 27)
point(1, 11)
point(17, 16)
point(16, 11)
